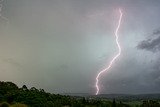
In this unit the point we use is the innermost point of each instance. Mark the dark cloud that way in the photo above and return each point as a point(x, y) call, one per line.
point(151, 44)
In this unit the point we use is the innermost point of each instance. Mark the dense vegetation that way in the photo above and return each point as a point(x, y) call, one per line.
point(12, 96)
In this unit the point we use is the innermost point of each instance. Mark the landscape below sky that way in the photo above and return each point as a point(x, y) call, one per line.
point(61, 45)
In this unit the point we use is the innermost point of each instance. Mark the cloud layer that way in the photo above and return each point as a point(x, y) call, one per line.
point(152, 43)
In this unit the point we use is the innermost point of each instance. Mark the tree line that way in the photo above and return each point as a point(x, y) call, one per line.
point(13, 96)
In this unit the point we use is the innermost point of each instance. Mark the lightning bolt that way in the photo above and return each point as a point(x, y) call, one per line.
point(1, 16)
point(115, 57)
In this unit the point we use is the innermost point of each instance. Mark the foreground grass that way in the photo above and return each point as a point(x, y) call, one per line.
point(5, 104)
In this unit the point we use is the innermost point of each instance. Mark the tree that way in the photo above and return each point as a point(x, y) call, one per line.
point(24, 87)
point(114, 103)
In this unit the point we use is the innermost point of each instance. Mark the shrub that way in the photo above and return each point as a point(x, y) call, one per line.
point(4, 104)
point(19, 105)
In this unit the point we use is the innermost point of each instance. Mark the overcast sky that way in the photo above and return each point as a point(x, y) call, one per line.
point(61, 45)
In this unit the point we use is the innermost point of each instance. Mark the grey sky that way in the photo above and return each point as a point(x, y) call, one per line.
point(60, 45)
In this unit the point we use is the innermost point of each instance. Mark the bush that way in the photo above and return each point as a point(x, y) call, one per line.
point(19, 105)
point(4, 104)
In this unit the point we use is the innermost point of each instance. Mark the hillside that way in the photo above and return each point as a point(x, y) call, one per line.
point(13, 96)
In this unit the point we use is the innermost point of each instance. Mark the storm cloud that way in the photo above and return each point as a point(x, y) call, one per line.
point(152, 43)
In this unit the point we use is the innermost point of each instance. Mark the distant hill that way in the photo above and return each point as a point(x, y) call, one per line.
point(130, 96)
point(155, 96)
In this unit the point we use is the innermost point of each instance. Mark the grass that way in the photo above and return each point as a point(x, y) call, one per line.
point(5, 104)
